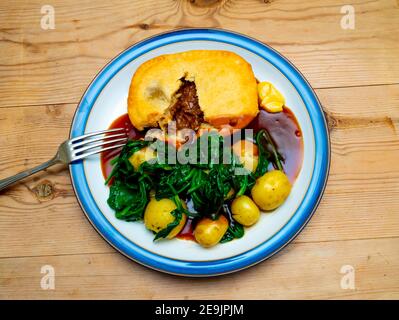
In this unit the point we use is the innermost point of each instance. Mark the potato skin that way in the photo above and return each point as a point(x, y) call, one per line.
point(209, 232)
point(245, 211)
point(271, 190)
point(141, 156)
point(157, 216)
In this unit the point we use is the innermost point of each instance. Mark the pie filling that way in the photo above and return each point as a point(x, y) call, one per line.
point(186, 110)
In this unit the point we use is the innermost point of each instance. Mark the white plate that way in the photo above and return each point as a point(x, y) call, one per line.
point(106, 99)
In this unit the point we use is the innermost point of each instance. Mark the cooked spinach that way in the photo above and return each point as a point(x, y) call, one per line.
point(267, 153)
point(204, 178)
point(235, 230)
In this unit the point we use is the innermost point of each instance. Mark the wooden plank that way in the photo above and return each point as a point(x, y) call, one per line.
point(303, 271)
point(41, 212)
point(45, 72)
point(361, 199)
point(55, 66)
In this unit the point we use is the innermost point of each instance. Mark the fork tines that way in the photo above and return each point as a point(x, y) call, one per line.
point(97, 142)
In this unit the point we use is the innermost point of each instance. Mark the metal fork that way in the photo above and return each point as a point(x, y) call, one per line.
point(76, 149)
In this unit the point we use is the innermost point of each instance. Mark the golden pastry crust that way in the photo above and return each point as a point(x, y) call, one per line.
point(225, 83)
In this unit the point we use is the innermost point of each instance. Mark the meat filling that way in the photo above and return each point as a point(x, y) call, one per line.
point(186, 110)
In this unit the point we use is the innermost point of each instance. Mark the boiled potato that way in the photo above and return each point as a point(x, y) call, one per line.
point(143, 155)
point(245, 211)
point(271, 190)
point(248, 154)
point(157, 216)
point(209, 232)
point(270, 98)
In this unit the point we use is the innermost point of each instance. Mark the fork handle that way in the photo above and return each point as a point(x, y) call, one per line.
point(8, 181)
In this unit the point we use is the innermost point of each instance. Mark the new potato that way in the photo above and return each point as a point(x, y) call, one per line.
point(271, 190)
point(141, 156)
point(209, 232)
point(158, 215)
point(245, 211)
point(248, 154)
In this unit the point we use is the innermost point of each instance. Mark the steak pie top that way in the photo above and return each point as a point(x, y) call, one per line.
point(217, 87)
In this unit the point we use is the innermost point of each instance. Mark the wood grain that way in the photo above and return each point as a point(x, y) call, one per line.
point(43, 74)
point(303, 271)
point(364, 176)
point(54, 66)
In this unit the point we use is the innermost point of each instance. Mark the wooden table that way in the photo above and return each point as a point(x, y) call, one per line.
point(43, 74)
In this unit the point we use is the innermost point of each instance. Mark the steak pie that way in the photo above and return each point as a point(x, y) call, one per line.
point(191, 88)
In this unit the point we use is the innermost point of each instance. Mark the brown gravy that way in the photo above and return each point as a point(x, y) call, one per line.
point(287, 135)
point(107, 156)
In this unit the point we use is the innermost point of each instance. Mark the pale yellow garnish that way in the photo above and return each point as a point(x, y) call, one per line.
point(270, 98)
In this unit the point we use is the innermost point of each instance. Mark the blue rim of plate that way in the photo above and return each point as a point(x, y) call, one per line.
point(248, 258)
